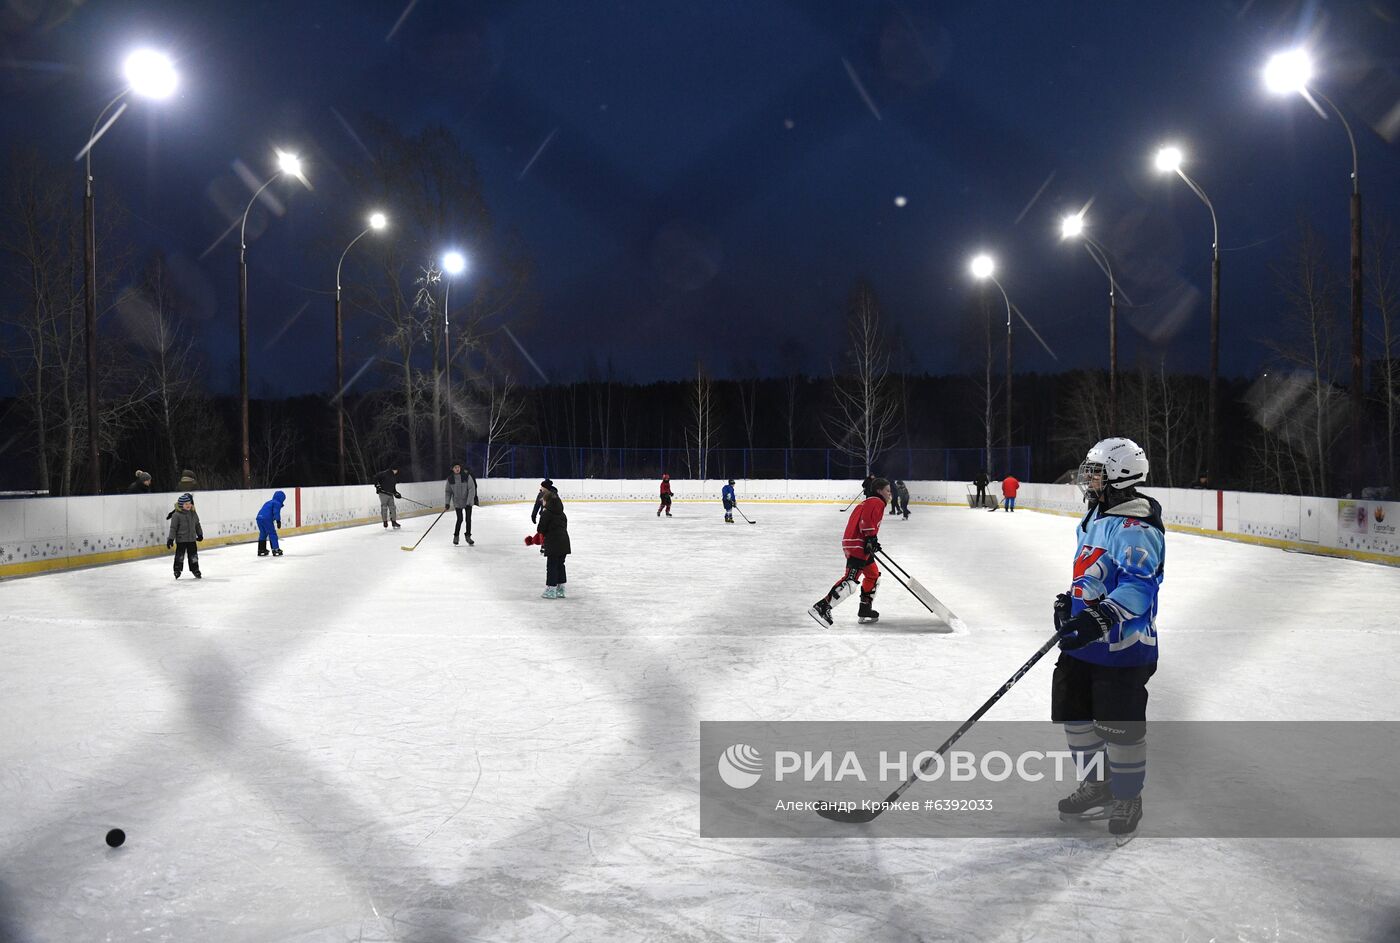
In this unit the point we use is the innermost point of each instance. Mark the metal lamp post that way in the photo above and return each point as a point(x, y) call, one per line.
point(982, 269)
point(286, 164)
point(150, 75)
point(1072, 227)
point(1168, 160)
point(1285, 73)
point(377, 221)
point(453, 264)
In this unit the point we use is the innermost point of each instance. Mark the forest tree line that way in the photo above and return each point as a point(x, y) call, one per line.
point(1280, 431)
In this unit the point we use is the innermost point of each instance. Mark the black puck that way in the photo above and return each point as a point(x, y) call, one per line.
point(115, 837)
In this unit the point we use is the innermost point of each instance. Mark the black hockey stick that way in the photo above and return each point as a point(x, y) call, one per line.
point(861, 816)
point(419, 503)
point(854, 500)
point(742, 514)
point(425, 533)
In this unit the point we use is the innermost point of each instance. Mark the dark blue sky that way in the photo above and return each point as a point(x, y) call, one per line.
point(715, 180)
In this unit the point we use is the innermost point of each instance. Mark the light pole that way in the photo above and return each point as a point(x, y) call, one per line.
point(1072, 227)
point(453, 264)
point(1285, 73)
point(286, 164)
point(377, 221)
point(982, 268)
point(150, 75)
point(1168, 160)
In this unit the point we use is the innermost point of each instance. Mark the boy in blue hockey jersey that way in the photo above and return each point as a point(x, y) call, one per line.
point(1107, 625)
point(269, 519)
point(726, 497)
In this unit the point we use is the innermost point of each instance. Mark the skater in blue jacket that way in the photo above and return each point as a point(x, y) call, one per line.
point(269, 519)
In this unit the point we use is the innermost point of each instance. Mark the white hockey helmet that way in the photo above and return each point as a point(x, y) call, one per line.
point(1116, 463)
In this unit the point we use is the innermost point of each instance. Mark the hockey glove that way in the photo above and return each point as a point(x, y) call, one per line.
point(1091, 625)
point(1063, 603)
point(169, 543)
point(872, 545)
point(397, 495)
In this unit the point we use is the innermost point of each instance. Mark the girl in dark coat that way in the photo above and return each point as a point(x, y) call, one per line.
point(553, 537)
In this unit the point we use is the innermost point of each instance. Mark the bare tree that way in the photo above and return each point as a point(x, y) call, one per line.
point(1385, 289)
point(274, 449)
point(164, 352)
point(702, 431)
point(1308, 345)
point(865, 414)
point(506, 411)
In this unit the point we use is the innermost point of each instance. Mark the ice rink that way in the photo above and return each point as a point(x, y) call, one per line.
point(352, 742)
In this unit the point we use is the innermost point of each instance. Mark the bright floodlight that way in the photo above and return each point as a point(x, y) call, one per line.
point(982, 266)
point(453, 263)
point(1071, 226)
point(377, 221)
point(1168, 159)
point(289, 163)
point(150, 74)
point(1288, 72)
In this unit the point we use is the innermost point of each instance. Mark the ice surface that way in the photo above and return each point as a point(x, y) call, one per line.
point(352, 742)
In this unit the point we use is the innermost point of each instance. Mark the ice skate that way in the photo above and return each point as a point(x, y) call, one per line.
point(396, 525)
point(1123, 823)
point(277, 552)
point(549, 593)
point(822, 613)
point(470, 542)
point(456, 540)
point(1091, 802)
point(559, 591)
point(867, 612)
point(263, 551)
point(197, 575)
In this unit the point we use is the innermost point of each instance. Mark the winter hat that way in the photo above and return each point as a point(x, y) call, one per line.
point(142, 476)
point(456, 464)
point(665, 477)
point(185, 498)
point(548, 484)
point(731, 481)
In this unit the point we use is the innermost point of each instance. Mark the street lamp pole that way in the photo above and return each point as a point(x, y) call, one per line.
point(1169, 159)
point(286, 164)
point(1291, 71)
point(376, 221)
point(1073, 227)
point(983, 268)
point(150, 75)
point(453, 263)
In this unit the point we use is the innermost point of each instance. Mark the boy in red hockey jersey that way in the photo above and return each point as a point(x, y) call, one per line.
point(860, 544)
point(665, 496)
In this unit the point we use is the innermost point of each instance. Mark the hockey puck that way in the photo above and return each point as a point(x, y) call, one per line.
point(115, 837)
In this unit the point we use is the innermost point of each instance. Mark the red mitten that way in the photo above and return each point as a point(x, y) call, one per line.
point(529, 539)
point(539, 539)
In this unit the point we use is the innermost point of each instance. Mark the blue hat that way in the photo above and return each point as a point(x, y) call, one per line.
point(185, 497)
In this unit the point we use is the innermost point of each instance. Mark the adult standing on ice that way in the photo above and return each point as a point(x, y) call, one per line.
point(461, 495)
point(1009, 487)
point(665, 496)
point(552, 535)
point(726, 497)
point(545, 486)
point(269, 519)
point(386, 485)
point(980, 483)
point(1107, 624)
point(860, 543)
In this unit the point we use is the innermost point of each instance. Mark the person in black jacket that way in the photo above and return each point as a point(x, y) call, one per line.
point(142, 484)
point(386, 485)
point(553, 537)
point(545, 486)
point(980, 483)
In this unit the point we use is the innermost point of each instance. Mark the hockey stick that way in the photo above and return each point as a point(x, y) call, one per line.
point(425, 533)
point(419, 503)
point(853, 501)
point(742, 514)
point(861, 816)
point(930, 601)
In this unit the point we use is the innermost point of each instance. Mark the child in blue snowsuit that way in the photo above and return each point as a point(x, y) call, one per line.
point(269, 519)
point(726, 496)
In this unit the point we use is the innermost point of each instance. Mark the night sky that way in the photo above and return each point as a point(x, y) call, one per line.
point(715, 176)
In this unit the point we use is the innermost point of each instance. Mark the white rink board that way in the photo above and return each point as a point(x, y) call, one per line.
point(354, 742)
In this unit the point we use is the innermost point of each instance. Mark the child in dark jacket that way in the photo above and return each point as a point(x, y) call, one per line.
point(553, 538)
point(185, 532)
point(269, 519)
